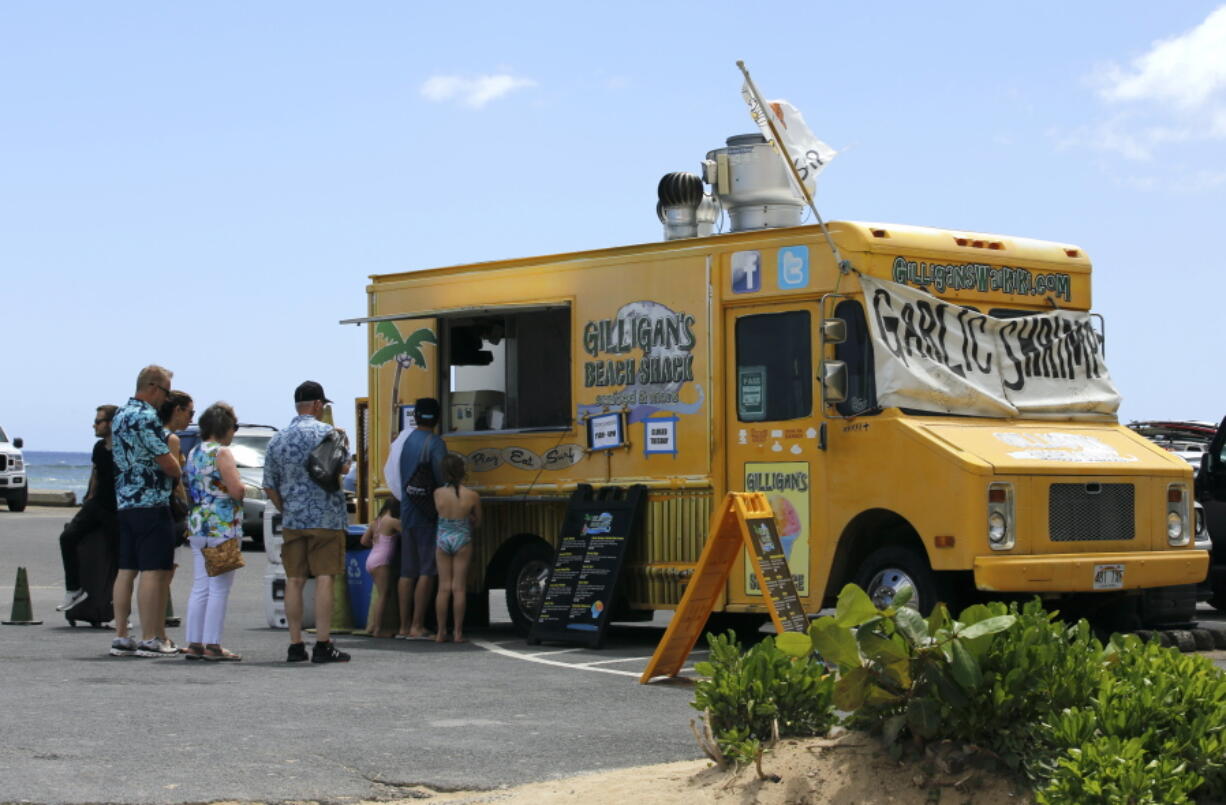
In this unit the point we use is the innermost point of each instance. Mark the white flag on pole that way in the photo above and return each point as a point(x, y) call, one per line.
point(806, 152)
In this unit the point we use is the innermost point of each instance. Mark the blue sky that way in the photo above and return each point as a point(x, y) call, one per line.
point(207, 186)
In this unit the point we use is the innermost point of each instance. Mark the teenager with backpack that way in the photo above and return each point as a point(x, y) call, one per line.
point(421, 472)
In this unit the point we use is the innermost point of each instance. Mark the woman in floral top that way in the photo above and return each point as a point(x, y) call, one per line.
point(216, 491)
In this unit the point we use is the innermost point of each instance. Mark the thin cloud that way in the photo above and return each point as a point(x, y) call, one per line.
point(1173, 94)
point(1186, 71)
point(472, 91)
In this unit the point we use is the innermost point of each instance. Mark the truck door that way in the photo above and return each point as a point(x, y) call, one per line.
point(771, 432)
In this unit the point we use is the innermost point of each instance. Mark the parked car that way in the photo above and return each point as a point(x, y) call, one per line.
point(1188, 440)
point(13, 485)
point(249, 448)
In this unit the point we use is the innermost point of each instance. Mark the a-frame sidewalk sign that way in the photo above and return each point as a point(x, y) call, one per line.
point(745, 520)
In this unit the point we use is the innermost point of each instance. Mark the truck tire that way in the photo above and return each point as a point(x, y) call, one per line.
point(17, 500)
point(525, 584)
point(887, 570)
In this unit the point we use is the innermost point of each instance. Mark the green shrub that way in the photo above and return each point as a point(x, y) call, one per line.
point(1168, 709)
point(749, 695)
point(1111, 770)
point(1036, 668)
point(900, 673)
point(1129, 722)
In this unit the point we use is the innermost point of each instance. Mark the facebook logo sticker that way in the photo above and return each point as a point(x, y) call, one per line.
point(794, 267)
point(746, 272)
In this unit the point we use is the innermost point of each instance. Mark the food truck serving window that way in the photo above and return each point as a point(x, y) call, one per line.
point(774, 367)
point(508, 371)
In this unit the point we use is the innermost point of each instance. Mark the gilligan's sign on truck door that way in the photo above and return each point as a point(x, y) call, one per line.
point(930, 409)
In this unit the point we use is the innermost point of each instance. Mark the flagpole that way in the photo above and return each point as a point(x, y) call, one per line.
point(844, 266)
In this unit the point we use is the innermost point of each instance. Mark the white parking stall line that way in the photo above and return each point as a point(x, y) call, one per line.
point(622, 659)
point(543, 661)
point(552, 651)
point(607, 662)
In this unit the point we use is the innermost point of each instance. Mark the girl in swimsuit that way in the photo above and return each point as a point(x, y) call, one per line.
point(381, 536)
point(459, 512)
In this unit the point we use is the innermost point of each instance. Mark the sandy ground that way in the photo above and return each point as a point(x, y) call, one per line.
point(852, 768)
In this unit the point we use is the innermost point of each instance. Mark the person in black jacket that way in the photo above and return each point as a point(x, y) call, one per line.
point(97, 510)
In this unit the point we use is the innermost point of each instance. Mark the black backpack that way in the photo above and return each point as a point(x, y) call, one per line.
point(325, 460)
point(419, 488)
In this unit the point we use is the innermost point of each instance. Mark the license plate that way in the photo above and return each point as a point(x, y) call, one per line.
point(1108, 577)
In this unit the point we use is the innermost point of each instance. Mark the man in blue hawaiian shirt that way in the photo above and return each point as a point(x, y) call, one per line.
point(145, 471)
point(313, 522)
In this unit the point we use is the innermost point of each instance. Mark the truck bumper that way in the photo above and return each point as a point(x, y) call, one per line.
point(1072, 573)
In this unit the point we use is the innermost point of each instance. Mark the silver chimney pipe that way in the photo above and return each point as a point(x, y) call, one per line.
point(752, 184)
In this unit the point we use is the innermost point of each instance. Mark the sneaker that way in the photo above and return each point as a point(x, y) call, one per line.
point(297, 653)
point(328, 652)
point(71, 599)
point(156, 648)
point(123, 647)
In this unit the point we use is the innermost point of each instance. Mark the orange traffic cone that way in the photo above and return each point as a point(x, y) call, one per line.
point(22, 613)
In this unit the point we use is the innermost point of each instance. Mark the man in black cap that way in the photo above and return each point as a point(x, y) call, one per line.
point(313, 522)
point(421, 472)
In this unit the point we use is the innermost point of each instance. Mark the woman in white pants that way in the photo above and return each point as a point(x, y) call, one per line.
point(216, 491)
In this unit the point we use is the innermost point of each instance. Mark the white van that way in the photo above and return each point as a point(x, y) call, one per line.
point(13, 473)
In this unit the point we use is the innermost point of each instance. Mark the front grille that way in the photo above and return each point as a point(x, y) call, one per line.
point(1088, 512)
point(4, 462)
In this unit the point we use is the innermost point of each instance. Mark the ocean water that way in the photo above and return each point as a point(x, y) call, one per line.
point(58, 471)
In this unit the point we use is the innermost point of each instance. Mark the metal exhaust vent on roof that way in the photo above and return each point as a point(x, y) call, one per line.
point(752, 184)
point(684, 208)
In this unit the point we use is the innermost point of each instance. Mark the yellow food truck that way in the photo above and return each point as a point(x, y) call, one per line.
point(835, 380)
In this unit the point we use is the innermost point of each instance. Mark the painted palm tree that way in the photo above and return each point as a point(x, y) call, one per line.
point(406, 352)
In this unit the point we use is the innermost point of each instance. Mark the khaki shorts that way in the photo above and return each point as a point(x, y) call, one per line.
point(312, 552)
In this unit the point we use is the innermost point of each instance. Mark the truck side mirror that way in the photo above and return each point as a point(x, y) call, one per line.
point(834, 382)
point(834, 331)
point(18, 442)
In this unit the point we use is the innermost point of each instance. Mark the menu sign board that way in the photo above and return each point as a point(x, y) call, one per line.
point(744, 524)
point(591, 549)
point(774, 575)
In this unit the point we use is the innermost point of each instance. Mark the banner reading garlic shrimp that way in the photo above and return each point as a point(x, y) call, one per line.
point(786, 486)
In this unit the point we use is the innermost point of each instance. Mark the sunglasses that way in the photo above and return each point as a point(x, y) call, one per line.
point(100, 421)
point(165, 390)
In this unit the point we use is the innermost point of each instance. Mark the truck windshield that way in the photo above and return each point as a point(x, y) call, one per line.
point(3, 436)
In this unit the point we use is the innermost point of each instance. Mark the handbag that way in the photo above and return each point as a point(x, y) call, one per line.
point(325, 460)
point(223, 558)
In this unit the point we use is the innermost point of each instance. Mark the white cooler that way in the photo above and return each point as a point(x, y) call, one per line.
point(274, 579)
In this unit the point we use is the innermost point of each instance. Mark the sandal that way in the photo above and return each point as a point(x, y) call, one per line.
point(195, 651)
point(219, 654)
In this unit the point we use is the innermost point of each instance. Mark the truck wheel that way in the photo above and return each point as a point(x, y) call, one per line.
point(525, 585)
point(17, 500)
point(888, 570)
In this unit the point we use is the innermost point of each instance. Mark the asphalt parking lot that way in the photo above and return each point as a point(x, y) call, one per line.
point(402, 717)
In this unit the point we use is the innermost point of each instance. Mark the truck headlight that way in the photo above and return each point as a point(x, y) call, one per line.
point(1177, 505)
point(997, 528)
point(1002, 534)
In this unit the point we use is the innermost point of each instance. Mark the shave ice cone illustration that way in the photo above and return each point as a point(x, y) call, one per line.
point(787, 523)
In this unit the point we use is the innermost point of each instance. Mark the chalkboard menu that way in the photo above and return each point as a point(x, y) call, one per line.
point(775, 575)
point(591, 549)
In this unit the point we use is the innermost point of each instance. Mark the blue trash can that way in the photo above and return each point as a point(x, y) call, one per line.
point(360, 584)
